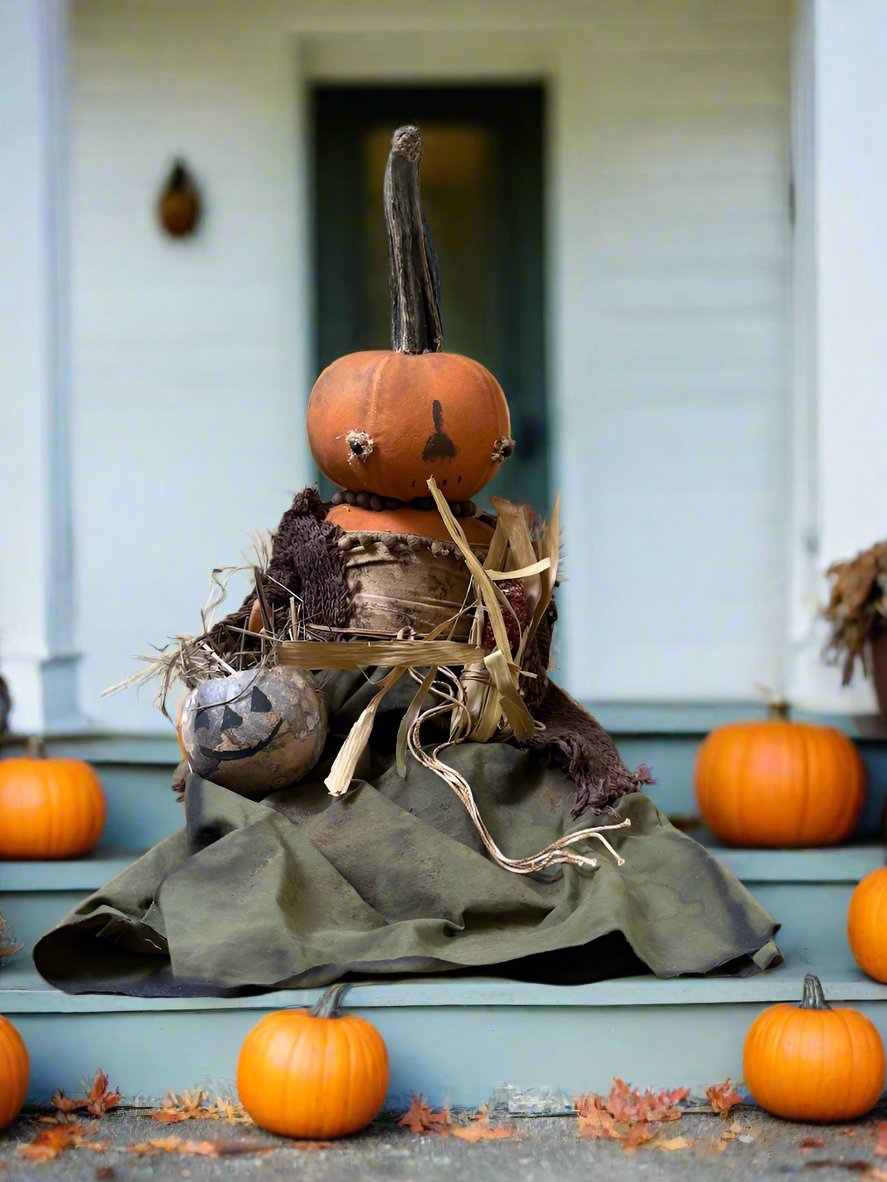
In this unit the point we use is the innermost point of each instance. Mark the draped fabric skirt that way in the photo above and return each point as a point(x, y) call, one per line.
point(300, 888)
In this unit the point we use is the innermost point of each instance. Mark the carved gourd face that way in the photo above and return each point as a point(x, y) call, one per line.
point(255, 731)
point(384, 422)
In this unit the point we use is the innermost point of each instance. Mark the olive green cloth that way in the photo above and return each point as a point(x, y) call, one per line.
point(301, 888)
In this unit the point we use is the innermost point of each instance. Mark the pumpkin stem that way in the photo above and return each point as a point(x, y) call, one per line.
point(328, 1005)
point(778, 710)
point(413, 276)
point(35, 747)
point(814, 998)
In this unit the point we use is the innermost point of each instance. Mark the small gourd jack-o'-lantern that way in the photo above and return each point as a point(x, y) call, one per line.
point(254, 731)
point(380, 423)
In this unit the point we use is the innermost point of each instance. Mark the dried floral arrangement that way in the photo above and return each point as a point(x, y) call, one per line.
point(856, 609)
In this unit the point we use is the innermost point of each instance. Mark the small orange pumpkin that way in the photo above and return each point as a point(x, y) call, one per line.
point(49, 808)
point(14, 1072)
point(866, 928)
point(313, 1074)
point(775, 784)
point(814, 1063)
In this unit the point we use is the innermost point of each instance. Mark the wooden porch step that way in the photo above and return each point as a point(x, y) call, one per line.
point(806, 890)
point(455, 1039)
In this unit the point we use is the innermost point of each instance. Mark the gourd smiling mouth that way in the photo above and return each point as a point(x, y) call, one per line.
point(246, 751)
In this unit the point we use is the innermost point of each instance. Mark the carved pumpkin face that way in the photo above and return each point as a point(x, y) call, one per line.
point(383, 422)
point(255, 731)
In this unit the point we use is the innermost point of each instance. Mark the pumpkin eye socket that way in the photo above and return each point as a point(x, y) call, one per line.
point(360, 445)
point(503, 448)
point(230, 719)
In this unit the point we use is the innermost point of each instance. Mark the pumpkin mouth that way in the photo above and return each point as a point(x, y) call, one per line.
point(246, 751)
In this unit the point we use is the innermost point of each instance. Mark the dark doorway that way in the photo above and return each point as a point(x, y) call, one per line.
point(482, 192)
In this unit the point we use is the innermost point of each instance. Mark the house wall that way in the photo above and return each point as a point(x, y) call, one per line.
point(668, 291)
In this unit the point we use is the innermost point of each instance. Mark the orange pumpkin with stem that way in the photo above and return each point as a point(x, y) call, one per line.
point(49, 808)
point(813, 1063)
point(777, 784)
point(867, 924)
point(313, 1074)
point(383, 422)
point(14, 1072)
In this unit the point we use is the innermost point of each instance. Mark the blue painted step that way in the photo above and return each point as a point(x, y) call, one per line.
point(136, 770)
point(806, 890)
point(453, 1039)
point(35, 896)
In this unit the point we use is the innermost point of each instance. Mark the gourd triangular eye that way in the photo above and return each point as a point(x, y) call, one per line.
point(230, 719)
point(201, 721)
point(258, 702)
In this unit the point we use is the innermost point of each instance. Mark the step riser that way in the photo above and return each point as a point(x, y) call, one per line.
point(461, 1055)
point(813, 915)
point(142, 809)
point(31, 913)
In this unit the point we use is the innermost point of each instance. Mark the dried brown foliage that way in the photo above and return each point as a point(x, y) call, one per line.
point(99, 1101)
point(628, 1116)
point(856, 608)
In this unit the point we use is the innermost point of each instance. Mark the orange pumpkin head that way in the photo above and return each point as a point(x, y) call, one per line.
point(313, 1074)
point(776, 784)
point(384, 422)
point(814, 1063)
point(14, 1070)
point(49, 808)
point(866, 929)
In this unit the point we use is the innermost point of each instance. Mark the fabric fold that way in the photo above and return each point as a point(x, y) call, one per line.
point(301, 888)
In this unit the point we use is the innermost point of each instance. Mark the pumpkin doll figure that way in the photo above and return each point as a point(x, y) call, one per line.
point(430, 799)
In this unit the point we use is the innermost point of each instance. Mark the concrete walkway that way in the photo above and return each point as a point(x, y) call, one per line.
point(543, 1149)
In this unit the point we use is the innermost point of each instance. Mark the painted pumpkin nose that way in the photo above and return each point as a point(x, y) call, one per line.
point(439, 445)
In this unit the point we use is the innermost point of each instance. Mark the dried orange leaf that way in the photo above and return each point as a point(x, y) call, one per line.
point(220, 1148)
point(637, 1135)
point(100, 1099)
point(625, 1104)
point(420, 1117)
point(61, 1103)
point(50, 1142)
point(674, 1143)
point(723, 1097)
point(808, 1143)
point(594, 1120)
point(479, 1129)
point(156, 1145)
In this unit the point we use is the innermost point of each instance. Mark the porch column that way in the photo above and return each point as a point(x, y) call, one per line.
point(840, 169)
point(37, 653)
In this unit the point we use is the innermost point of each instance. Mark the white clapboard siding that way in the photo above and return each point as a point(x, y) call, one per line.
point(673, 401)
point(667, 253)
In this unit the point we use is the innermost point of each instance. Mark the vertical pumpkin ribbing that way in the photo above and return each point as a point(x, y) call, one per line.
point(312, 1077)
point(812, 1062)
